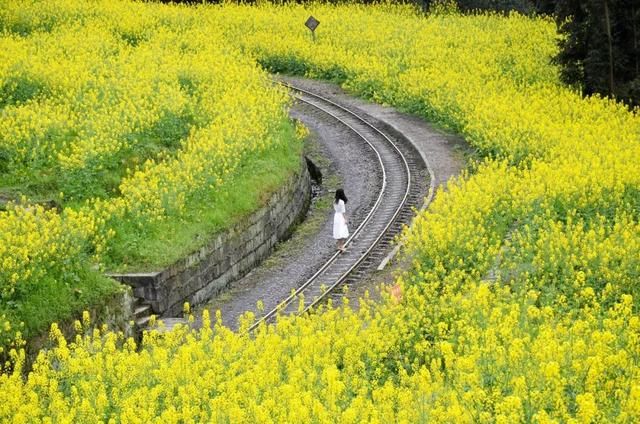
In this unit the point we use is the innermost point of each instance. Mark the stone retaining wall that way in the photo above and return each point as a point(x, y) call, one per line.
point(229, 256)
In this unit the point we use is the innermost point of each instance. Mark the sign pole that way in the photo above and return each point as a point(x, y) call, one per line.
point(312, 23)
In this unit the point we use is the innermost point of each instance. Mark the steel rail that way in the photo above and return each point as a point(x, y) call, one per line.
point(341, 279)
point(283, 304)
point(332, 259)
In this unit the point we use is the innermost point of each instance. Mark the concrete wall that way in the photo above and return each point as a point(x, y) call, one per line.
point(228, 256)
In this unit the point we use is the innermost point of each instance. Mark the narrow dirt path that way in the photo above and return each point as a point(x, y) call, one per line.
point(344, 162)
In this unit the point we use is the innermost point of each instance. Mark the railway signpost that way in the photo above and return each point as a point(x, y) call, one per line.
point(312, 23)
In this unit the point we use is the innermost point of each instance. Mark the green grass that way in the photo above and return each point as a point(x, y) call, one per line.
point(160, 244)
point(157, 244)
point(42, 181)
point(55, 300)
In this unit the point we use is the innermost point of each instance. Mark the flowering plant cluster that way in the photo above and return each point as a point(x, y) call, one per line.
point(521, 303)
point(112, 113)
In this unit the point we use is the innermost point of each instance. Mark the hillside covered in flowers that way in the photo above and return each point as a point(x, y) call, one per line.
point(521, 302)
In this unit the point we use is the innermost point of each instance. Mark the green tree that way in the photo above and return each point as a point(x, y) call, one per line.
point(599, 51)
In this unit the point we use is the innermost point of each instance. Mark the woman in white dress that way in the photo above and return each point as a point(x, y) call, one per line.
point(340, 229)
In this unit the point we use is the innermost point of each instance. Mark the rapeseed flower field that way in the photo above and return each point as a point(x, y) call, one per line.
point(127, 118)
point(521, 303)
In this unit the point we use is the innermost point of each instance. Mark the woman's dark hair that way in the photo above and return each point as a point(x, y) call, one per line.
point(340, 196)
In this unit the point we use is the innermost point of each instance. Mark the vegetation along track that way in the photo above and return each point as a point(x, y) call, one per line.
point(402, 188)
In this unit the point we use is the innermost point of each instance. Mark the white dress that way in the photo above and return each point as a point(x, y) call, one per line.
point(340, 230)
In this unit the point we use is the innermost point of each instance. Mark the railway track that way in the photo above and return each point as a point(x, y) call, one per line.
point(402, 188)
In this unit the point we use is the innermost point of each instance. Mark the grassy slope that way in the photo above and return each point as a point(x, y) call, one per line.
point(54, 300)
point(161, 243)
point(43, 184)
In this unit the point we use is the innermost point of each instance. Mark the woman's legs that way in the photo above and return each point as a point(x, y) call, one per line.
point(340, 244)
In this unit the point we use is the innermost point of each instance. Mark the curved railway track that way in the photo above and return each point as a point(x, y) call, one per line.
point(400, 191)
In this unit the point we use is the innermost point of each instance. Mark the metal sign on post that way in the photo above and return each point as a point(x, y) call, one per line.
point(312, 23)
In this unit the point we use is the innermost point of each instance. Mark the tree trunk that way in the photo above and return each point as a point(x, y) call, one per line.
point(610, 45)
point(635, 16)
